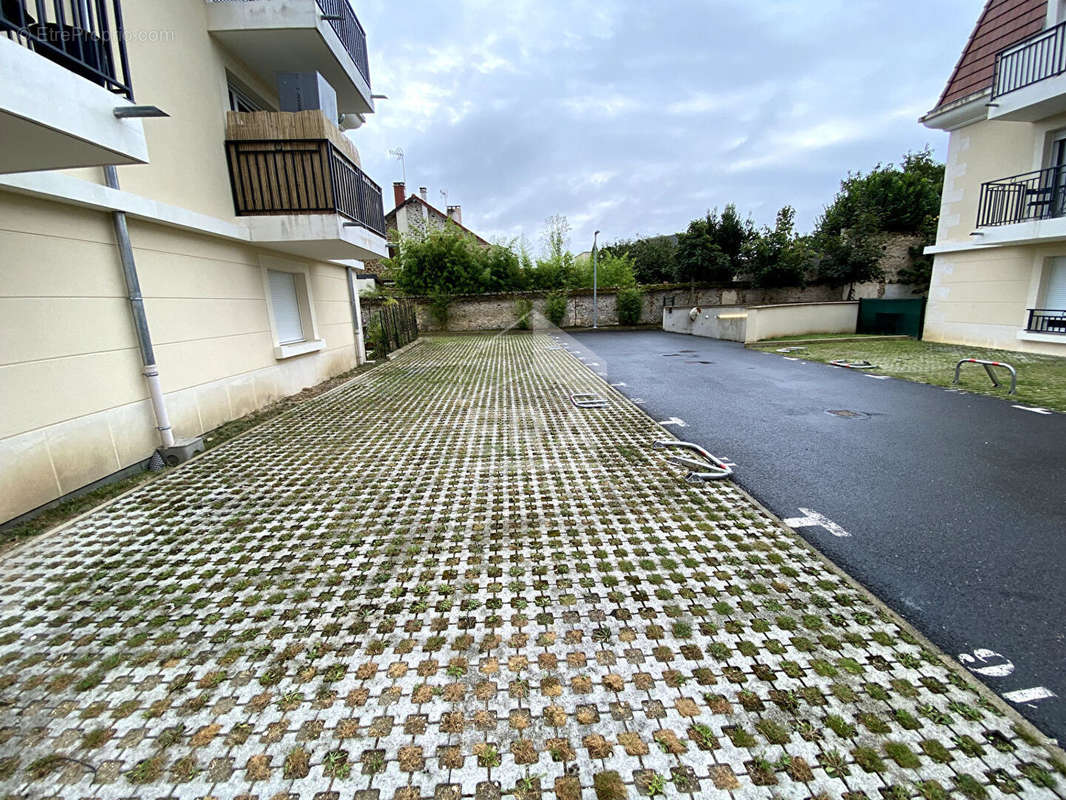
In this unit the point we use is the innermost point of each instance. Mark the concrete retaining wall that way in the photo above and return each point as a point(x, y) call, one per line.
point(755, 323)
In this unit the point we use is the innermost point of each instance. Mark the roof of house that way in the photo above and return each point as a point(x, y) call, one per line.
point(1002, 23)
point(414, 198)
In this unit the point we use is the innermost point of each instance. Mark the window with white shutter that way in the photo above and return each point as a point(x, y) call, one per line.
point(286, 304)
point(1055, 291)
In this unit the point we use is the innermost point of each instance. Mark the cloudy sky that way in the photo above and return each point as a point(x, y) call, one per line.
point(634, 116)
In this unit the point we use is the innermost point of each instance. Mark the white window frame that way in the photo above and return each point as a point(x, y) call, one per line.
point(312, 341)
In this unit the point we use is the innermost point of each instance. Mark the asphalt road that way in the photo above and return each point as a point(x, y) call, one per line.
point(954, 504)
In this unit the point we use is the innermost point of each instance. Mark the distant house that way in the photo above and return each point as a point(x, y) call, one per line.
point(415, 216)
point(999, 272)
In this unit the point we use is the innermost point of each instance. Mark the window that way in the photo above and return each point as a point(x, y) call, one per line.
point(1055, 287)
point(291, 308)
point(286, 303)
point(241, 98)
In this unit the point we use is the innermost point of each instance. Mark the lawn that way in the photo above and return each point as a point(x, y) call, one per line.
point(1041, 379)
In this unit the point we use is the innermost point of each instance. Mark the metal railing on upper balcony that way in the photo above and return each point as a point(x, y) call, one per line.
point(1030, 61)
point(84, 36)
point(1047, 320)
point(346, 25)
point(1023, 198)
point(301, 176)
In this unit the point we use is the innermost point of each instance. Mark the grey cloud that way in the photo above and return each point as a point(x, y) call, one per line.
point(635, 117)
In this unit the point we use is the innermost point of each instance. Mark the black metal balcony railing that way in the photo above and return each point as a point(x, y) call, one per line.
point(1030, 61)
point(1022, 198)
point(84, 36)
point(1047, 320)
point(348, 29)
point(301, 176)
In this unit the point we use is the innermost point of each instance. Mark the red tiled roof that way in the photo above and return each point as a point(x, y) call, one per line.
point(1002, 23)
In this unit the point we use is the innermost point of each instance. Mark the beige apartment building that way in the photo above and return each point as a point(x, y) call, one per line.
point(238, 217)
point(999, 274)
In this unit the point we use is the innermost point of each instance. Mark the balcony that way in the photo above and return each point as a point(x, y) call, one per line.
point(1047, 320)
point(323, 36)
point(297, 182)
point(1028, 197)
point(1030, 78)
point(65, 72)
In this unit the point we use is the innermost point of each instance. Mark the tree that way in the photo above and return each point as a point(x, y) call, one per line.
point(853, 255)
point(890, 199)
point(699, 258)
point(654, 257)
point(778, 257)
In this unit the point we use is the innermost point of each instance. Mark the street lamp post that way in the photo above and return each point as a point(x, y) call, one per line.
point(595, 300)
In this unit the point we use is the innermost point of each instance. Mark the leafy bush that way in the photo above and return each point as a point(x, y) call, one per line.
point(439, 305)
point(523, 310)
point(446, 260)
point(612, 271)
point(630, 301)
point(555, 308)
point(375, 338)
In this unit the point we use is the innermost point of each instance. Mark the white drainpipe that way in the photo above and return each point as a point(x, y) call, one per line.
point(140, 318)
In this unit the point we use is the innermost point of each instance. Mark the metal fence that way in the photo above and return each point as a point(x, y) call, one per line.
point(86, 37)
point(348, 29)
point(1047, 320)
point(301, 176)
point(1022, 198)
point(1030, 61)
point(390, 326)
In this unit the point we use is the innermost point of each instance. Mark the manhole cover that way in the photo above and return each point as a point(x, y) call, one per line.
point(843, 412)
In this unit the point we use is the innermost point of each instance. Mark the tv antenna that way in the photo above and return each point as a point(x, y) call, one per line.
point(444, 196)
point(397, 153)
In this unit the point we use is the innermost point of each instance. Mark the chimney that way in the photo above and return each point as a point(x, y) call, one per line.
point(399, 193)
point(456, 213)
point(424, 191)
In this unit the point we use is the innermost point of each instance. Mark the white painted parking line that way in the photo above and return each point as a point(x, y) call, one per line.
point(812, 519)
point(790, 358)
point(1034, 695)
point(1034, 410)
point(619, 384)
point(993, 664)
point(879, 377)
point(674, 421)
point(638, 400)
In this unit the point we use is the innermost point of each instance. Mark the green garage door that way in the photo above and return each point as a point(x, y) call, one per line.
point(904, 316)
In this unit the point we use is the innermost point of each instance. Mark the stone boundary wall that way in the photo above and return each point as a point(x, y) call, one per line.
point(485, 312)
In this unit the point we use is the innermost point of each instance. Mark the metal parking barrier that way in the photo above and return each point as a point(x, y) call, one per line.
point(854, 364)
point(588, 401)
point(707, 468)
point(988, 368)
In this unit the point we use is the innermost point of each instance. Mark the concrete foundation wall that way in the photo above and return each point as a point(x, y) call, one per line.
point(75, 404)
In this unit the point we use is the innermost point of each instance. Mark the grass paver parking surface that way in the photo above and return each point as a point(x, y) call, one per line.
point(445, 580)
point(1041, 378)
